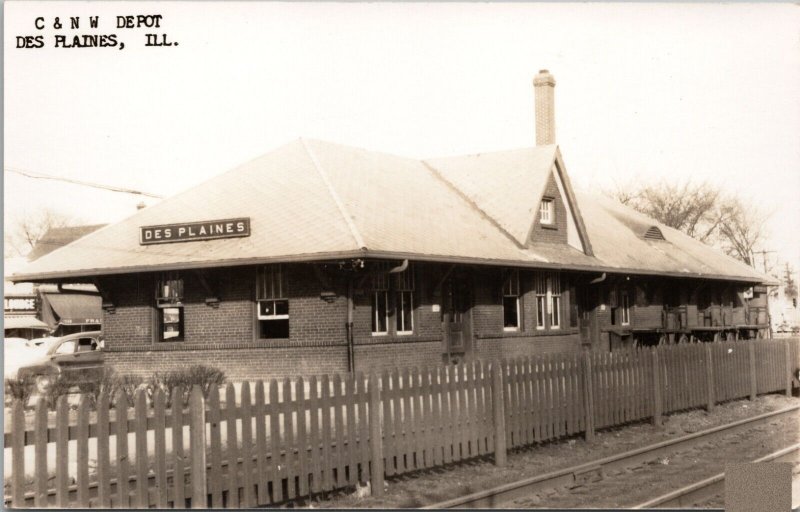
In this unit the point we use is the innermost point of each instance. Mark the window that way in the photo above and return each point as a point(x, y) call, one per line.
point(380, 303)
point(272, 302)
point(554, 280)
point(68, 347)
point(546, 211)
point(511, 301)
point(404, 286)
point(624, 304)
point(540, 281)
point(547, 286)
point(169, 303)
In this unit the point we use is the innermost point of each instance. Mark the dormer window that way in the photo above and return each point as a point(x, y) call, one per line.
point(546, 211)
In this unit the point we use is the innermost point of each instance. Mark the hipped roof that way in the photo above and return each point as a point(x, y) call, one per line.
point(312, 200)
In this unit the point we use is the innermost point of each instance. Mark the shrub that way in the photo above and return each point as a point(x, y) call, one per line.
point(129, 384)
point(20, 389)
point(201, 375)
point(108, 381)
point(60, 384)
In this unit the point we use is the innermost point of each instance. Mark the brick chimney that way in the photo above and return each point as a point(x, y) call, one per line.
point(544, 87)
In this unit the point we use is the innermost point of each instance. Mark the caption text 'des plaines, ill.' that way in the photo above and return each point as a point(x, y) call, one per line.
point(143, 23)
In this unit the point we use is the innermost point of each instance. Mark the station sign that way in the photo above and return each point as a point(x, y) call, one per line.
point(194, 231)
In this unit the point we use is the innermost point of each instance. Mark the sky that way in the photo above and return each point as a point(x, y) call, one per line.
point(645, 93)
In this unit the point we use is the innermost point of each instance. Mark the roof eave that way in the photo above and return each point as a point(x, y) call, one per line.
point(45, 277)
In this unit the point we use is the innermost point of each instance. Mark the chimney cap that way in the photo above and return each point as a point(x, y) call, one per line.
point(543, 71)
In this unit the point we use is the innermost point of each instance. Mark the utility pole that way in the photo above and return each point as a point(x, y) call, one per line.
point(763, 254)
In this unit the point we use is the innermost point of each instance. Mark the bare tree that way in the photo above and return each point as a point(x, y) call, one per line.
point(23, 235)
point(702, 212)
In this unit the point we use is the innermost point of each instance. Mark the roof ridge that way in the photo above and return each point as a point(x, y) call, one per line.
point(336, 199)
point(472, 204)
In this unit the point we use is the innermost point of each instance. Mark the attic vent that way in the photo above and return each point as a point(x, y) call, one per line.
point(654, 234)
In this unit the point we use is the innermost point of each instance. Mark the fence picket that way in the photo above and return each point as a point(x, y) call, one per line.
point(275, 473)
point(248, 500)
point(160, 448)
point(289, 458)
point(363, 424)
point(302, 445)
point(140, 412)
point(352, 429)
point(448, 413)
point(178, 462)
point(259, 412)
point(82, 479)
point(215, 452)
point(427, 412)
point(327, 463)
point(314, 437)
point(62, 452)
point(123, 471)
point(339, 428)
point(103, 471)
point(232, 446)
point(388, 432)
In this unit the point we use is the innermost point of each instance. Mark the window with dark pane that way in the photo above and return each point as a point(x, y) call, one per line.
point(169, 305)
point(511, 301)
point(272, 302)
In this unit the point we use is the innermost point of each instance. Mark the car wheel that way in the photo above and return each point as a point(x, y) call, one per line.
point(43, 383)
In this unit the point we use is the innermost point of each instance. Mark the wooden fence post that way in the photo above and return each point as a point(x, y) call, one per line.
point(789, 369)
point(499, 414)
point(588, 395)
point(197, 434)
point(709, 378)
point(753, 389)
point(18, 454)
point(657, 407)
point(375, 439)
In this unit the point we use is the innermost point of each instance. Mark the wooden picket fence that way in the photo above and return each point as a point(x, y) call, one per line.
point(277, 441)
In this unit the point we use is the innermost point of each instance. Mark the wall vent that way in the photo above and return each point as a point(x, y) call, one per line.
point(654, 234)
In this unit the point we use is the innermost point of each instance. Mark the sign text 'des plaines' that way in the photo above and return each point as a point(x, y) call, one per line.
point(192, 231)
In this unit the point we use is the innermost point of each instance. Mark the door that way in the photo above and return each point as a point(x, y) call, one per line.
point(587, 317)
point(456, 316)
point(80, 358)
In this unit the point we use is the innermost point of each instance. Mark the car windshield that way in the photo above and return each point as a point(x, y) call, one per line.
point(68, 347)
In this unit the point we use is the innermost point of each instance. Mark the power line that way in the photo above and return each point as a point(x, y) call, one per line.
point(42, 176)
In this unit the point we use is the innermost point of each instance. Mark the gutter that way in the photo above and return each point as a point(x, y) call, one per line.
point(49, 277)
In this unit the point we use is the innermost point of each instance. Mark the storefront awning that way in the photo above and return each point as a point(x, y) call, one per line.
point(75, 308)
point(23, 322)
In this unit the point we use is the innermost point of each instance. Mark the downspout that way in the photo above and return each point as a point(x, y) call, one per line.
point(401, 268)
point(351, 363)
point(598, 279)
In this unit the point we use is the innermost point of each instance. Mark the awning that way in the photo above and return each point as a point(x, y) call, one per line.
point(75, 308)
point(23, 322)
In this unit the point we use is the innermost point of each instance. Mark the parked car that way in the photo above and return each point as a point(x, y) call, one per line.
point(78, 356)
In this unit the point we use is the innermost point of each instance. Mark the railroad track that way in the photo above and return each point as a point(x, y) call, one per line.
point(708, 488)
point(575, 474)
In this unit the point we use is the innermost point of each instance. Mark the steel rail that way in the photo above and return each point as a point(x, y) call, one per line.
point(712, 486)
point(493, 497)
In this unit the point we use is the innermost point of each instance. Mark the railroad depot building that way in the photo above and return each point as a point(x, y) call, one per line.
point(320, 258)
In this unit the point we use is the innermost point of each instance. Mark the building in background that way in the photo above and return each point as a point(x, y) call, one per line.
point(35, 311)
point(321, 258)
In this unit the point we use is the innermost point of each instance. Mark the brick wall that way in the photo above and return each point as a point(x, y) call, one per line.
point(251, 364)
point(557, 231)
point(386, 356)
point(520, 346)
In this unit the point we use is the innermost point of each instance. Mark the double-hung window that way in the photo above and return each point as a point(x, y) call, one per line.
point(625, 307)
point(380, 304)
point(555, 300)
point(169, 306)
point(546, 211)
point(272, 302)
point(547, 286)
point(511, 314)
point(540, 285)
point(404, 293)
